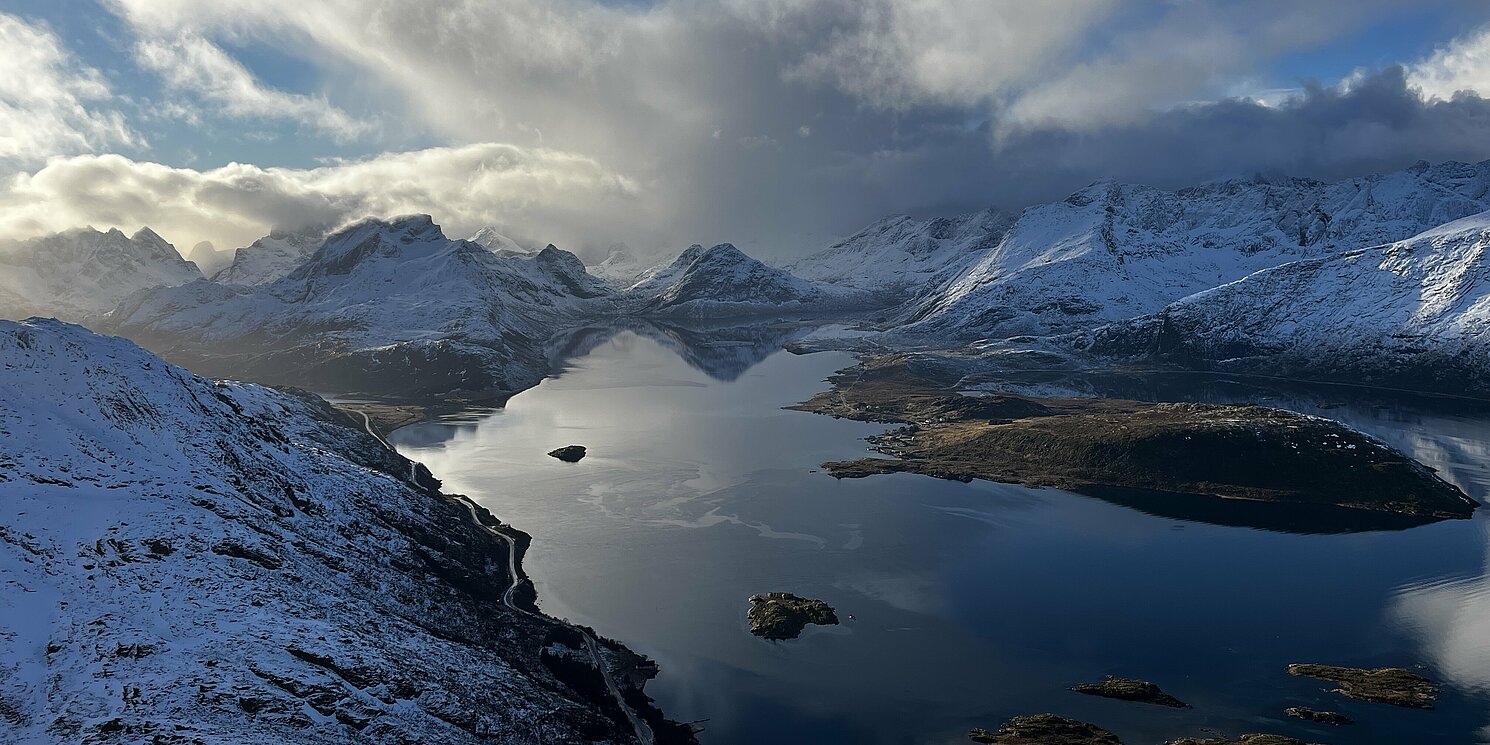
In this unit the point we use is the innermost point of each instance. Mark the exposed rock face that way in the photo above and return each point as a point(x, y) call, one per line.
point(782, 615)
point(1158, 457)
point(192, 561)
point(1386, 685)
point(1128, 689)
point(1045, 729)
point(1321, 717)
point(568, 453)
point(77, 275)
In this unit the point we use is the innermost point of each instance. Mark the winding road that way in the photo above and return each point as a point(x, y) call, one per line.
point(643, 732)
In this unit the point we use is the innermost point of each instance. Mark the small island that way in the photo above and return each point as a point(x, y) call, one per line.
point(568, 453)
point(1045, 729)
point(1128, 689)
point(1227, 464)
point(1318, 717)
point(782, 615)
point(1384, 685)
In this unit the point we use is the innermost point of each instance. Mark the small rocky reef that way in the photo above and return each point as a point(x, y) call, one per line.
point(782, 615)
point(568, 453)
point(1128, 689)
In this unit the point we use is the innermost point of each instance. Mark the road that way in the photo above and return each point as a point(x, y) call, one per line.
point(643, 732)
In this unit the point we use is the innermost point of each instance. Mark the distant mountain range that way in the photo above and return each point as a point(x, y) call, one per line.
point(1103, 273)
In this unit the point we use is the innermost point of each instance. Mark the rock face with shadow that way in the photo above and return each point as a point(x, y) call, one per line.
point(1229, 464)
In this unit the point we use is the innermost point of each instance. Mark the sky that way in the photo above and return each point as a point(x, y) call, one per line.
point(778, 125)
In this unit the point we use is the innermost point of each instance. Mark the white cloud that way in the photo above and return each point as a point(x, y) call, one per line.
point(191, 63)
point(1461, 65)
point(557, 193)
point(49, 102)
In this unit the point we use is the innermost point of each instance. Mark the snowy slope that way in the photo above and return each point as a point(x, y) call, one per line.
point(1412, 314)
point(382, 307)
point(80, 273)
point(270, 258)
point(493, 240)
point(620, 267)
point(900, 255)
point(722, 281)
point(1114, 251)
point(184, 561)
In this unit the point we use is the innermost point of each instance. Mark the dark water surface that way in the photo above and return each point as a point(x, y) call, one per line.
point(973, 602)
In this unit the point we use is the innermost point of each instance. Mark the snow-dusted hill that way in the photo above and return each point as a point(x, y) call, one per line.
point(186, 561)
point(722, 281)
point(900, 255)
point(1113, 251)
point(80, 273)
point(1414, 314)
point(270, 258)
point(389, 307)
point(208, 259)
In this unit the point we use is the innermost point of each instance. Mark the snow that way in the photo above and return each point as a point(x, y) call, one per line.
point(1114, 251)
point(270, 258)
point(1413, 313)
point(183, 560)
point(493, 240)
point(77, 274)
point(376, 299)
point(722, 281)
point(620, 267)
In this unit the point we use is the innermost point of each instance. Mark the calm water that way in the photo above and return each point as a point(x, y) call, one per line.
point(972, 602)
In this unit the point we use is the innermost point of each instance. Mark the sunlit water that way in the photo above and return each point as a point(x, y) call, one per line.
point(972, 602)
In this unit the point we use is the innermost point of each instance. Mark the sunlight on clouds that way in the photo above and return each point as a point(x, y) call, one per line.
point(463, 187)
point(1463, 64)
point(191, 63)
point(50, 103)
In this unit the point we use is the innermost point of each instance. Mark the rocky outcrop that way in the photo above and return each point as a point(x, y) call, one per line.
point(1129, 689)
point(782, 615)
point(1385, 685)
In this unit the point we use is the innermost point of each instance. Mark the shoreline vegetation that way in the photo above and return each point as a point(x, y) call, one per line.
point(1226, 464)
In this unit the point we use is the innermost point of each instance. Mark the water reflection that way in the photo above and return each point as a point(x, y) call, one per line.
point(974, 602)
point(722, 350)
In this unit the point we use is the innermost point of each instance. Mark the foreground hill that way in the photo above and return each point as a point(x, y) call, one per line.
point(1413, 314)
point(80, 273)
point(383, 307)
point(190, 561)
point(1114, 251)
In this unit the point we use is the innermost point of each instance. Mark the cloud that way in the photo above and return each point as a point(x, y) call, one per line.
point(49, 102)
point(556, 193)
point(921, 106)
point(1461, 65)
point(191, 63)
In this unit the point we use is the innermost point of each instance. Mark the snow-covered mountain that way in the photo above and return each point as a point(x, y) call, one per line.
point(270, 258)
point(723, 281)
point(190, 561)
point(381, 307)
point(900, 255)
point(620, 267)
point(80, 273)
point(1414, 313)
point(1113, 251)
point(496, 242)
point(208, 259)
